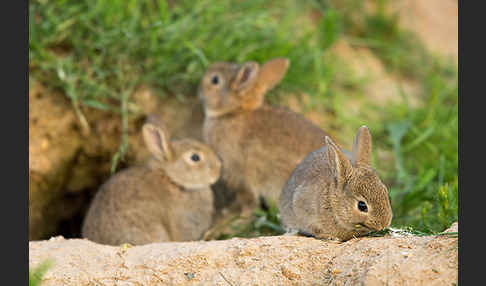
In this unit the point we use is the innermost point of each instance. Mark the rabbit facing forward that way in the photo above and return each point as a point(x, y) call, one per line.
point(168, 199)
point(334, 196)
point(259, 145)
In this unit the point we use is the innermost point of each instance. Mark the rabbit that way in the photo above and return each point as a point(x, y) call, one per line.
point(331, 195)
point(259, 145)
point(167, 199)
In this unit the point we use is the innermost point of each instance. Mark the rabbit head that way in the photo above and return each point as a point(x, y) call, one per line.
point(228, 87)
point(360, 200)
point(188, 163)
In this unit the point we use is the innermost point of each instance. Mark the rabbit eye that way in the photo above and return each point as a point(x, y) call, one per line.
point(195, 157)
point(362, 206)
point(215, 80)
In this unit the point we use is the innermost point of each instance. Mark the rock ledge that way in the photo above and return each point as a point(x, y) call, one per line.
point(276, 260)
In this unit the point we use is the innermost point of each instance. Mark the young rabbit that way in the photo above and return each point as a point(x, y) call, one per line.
point(168, 199)
point(259, 145)
point(332, 196)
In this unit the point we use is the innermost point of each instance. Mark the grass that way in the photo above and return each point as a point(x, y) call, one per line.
point(36, 274)
point(98, 52)
point(262, 223)
point(96, 49)
point(423, 138)
point(408, 231)
point(424, 141)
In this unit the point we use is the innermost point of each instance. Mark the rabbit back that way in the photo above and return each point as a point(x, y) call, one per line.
point(260, 148)
point(306, 194)
point(141, 205)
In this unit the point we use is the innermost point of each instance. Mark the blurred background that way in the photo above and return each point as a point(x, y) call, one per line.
point(97, 68)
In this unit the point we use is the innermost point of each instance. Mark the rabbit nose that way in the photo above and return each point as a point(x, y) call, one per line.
point(375, 227)
point(384, 223)
point(379, 225)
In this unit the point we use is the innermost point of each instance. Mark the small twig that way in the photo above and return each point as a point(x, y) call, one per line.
point(85, 128)
point(453, 234)
point(225, 278)
point(119, 155)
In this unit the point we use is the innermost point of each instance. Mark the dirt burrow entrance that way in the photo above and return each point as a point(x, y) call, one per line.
point(68, 164)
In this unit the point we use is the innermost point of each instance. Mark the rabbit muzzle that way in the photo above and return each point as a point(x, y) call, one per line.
point(375, 225)
point(364, 228)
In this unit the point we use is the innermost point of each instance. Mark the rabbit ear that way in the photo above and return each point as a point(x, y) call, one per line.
point(362, 146)
point(246, 77)
point(269, 76)
point(272, 72)
point(157, 141)
point(338, 162)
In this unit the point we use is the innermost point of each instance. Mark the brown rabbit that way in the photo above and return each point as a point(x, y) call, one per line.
point(168, 199)
point(259, 145)
point(332, 196)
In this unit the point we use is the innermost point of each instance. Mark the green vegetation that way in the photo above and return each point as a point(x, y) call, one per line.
point(423, 137)
point(97, 52)
point(410, 231)
point(36, 274)
point(262, 223)
point(424, 140)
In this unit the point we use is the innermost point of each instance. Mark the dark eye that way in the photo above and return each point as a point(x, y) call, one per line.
point(195, 158)
point(362, 206)
point(215, 80)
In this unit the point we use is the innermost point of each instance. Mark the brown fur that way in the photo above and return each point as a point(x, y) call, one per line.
point(322, 194)
point(258, 145)
point(168, 199)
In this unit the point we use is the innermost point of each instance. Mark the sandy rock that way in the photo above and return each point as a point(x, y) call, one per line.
point(453, 228)
point(277, 260)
